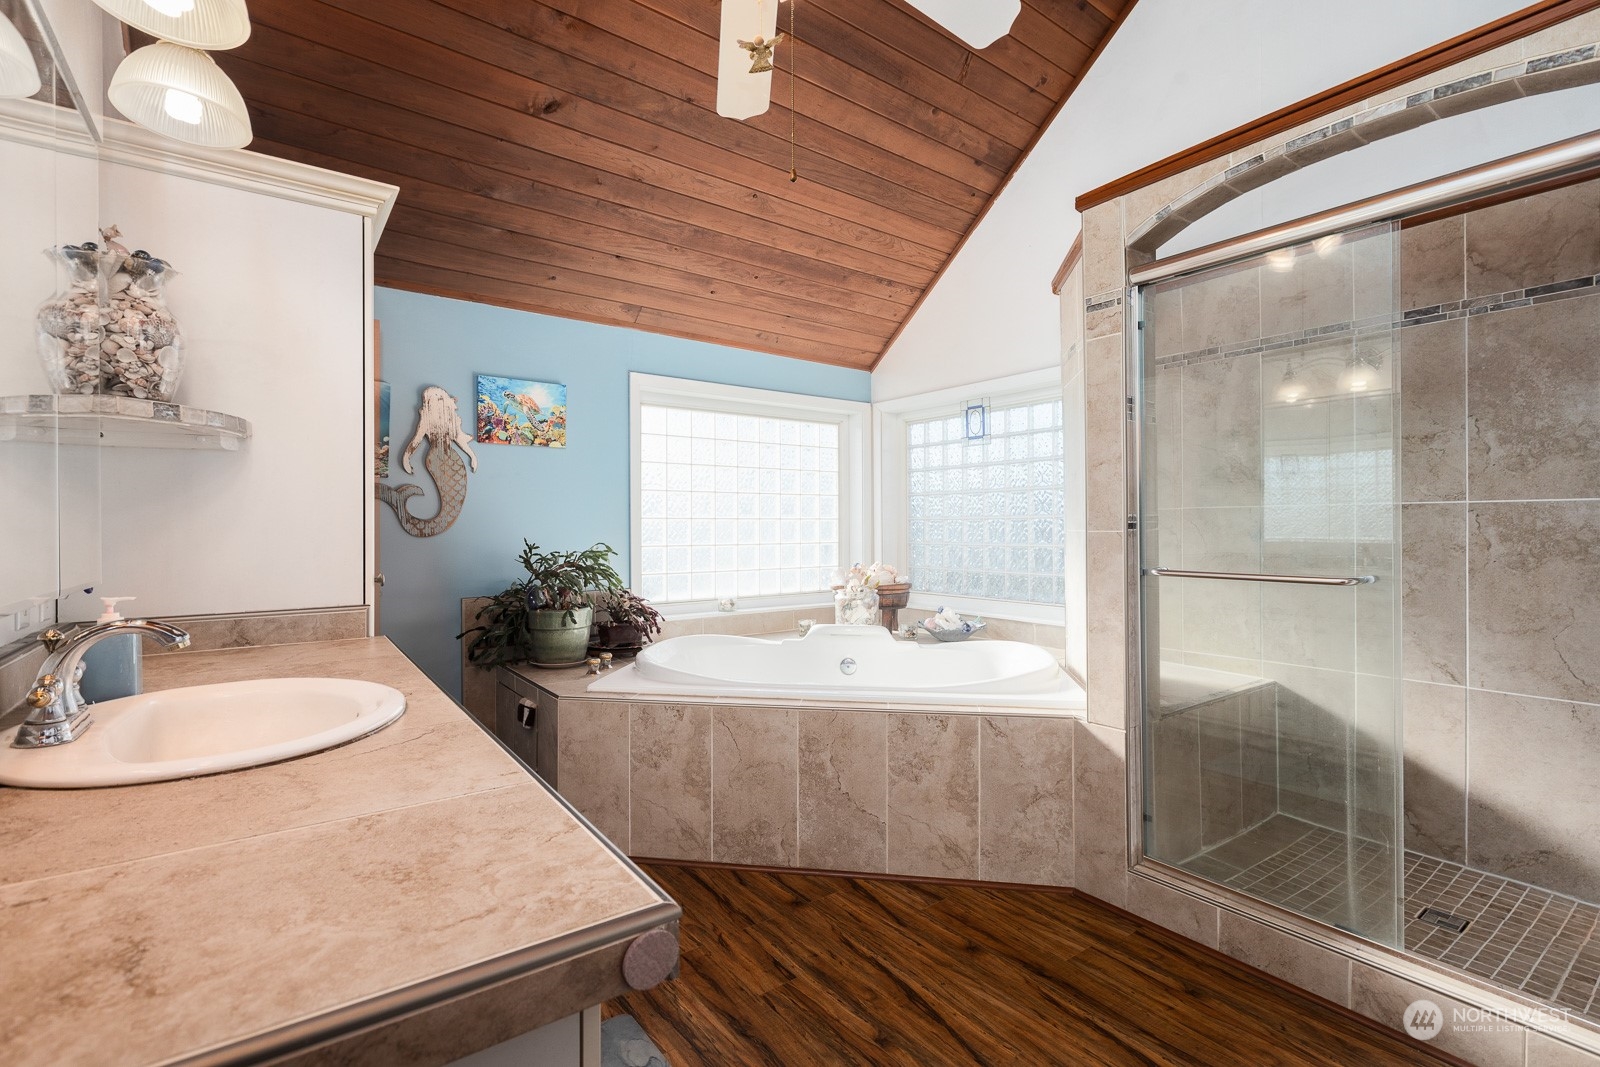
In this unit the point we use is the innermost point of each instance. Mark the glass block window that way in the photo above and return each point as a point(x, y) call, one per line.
point(985, 517)
point(735, 505)
point(1329, 496)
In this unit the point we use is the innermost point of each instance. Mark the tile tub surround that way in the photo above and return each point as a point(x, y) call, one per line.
point(972, 796)
point(449, 846)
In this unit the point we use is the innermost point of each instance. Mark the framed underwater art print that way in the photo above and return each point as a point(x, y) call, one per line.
point(512, 411)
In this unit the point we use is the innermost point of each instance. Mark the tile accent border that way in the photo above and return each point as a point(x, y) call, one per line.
point(1458, 309)
point(1563, 69)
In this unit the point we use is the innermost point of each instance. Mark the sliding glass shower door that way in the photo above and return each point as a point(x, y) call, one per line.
point(1268, 403)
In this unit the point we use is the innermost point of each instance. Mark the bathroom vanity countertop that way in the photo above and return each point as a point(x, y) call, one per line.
point(418, 885)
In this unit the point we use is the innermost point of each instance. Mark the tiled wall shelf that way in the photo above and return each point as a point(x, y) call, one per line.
point(118, 421)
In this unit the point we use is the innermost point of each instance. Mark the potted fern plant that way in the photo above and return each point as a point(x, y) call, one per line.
point(545, 617)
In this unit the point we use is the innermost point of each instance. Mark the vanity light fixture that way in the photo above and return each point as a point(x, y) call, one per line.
point(19, 74)
point(1359, 375)
point(208, 24)
point(181, 93)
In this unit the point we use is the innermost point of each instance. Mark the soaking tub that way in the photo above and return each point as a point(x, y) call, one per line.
point(849, 664)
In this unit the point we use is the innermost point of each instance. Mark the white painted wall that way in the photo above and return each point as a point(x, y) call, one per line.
point(1175, 74)
point(270, 299)
point(45, 195)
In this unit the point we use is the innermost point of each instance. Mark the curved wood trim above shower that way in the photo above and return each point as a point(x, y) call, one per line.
point(1519, 24)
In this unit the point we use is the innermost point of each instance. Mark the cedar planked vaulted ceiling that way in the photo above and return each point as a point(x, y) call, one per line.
point(566, 157)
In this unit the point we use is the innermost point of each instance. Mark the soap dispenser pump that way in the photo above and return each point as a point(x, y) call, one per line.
point(113, 666)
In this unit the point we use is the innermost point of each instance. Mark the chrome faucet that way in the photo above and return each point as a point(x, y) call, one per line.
point(59, 715)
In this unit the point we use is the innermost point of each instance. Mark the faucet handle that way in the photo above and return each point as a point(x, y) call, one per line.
point(47, 692)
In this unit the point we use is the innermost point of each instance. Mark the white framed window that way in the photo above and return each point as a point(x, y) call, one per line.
point(979, 523)
point(744, 494)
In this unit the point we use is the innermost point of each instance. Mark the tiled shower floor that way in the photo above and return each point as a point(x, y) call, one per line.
point(1518, 936)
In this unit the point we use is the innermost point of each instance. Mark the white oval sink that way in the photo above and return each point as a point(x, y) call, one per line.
point(204, 729)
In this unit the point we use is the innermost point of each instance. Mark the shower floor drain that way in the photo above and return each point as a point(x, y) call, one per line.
point(1443, 920)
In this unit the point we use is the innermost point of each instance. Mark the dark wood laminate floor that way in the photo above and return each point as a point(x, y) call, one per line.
point(796, 970)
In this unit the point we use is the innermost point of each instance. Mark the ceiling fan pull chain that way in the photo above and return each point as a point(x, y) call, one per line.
point(794, 47)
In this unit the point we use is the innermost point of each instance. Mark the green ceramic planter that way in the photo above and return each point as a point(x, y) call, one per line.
point(555, 640)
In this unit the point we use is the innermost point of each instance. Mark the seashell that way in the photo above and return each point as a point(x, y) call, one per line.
point(120, 281)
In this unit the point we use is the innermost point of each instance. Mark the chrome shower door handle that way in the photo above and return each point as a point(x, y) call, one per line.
point(1280, 579)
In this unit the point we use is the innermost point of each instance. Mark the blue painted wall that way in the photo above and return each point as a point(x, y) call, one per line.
point(557, 498)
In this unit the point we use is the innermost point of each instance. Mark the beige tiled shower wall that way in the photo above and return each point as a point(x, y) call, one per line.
point(1500, 475)
point(1076, 528)
point(1436, 720)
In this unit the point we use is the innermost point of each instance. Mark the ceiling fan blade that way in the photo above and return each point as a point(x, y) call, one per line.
point(740, 94)
point(980, 23)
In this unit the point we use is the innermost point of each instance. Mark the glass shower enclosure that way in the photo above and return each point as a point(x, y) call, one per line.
point(1266, 406)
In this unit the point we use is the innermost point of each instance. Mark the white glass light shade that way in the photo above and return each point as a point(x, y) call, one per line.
point(1358, 376)
point(19, 75)
point(181, 93)
point(980, 23)
point(740, 94)
point(209, 24)
point(1291, 389)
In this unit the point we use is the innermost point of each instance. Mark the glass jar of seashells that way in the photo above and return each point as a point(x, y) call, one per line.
point(110, 331)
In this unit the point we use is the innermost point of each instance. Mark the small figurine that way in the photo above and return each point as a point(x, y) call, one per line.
point(109, 235)
point(760, 51)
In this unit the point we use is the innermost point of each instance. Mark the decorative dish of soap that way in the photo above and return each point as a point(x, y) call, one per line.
point(948, 626)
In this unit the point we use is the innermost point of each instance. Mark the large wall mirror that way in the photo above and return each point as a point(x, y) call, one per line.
point(50, 174)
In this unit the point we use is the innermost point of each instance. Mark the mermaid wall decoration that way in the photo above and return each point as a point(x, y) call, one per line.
point(439, 423)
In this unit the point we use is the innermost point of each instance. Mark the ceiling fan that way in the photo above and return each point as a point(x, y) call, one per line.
point(750, 30)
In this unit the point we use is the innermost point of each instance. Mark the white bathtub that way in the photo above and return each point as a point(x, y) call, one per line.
point(850, 664)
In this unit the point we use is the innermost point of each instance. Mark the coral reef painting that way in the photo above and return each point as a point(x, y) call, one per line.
point(512, 411)
point(381, 418)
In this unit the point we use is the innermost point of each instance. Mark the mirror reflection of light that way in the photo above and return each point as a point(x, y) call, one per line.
point(1356, 377)
point(1291, 389)
point(183, 106)
point(1325, 246)
point(172, 9)
point(1281, 261)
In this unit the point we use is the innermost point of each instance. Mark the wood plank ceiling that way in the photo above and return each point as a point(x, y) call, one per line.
point(565, 156)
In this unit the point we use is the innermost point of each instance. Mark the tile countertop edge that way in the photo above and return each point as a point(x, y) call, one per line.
point(307, 1034)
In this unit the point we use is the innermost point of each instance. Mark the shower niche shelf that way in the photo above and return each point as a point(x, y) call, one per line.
point(118, 422)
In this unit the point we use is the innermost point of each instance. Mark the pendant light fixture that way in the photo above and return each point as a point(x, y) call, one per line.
point(208, 24)
point(19, 74)
point(744, 54)
point(181, 93)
